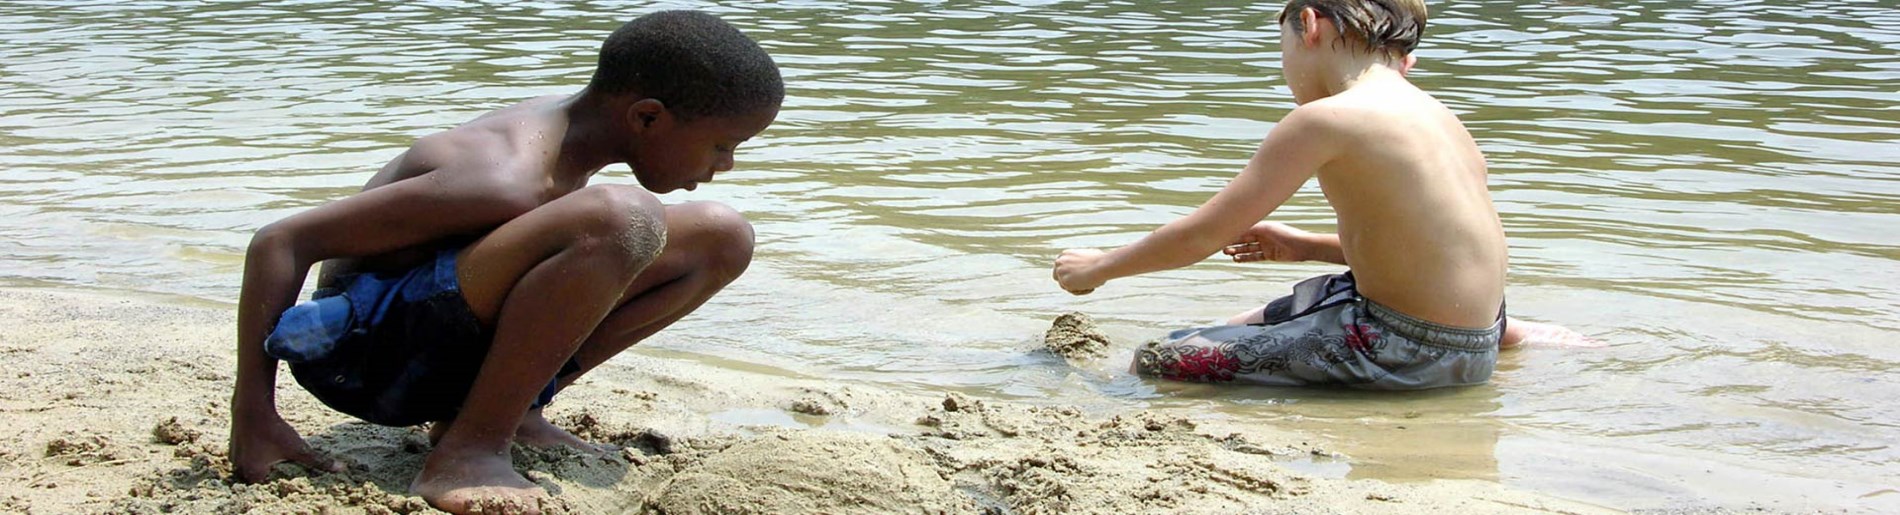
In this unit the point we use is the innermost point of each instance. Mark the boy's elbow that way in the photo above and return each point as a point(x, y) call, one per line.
point(272, 239)
point(271, 234)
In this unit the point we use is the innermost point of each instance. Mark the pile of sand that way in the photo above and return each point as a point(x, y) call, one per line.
point(1075, 336)
point(116, 406)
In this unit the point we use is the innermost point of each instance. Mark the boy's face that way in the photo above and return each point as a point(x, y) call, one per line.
point(672, 153)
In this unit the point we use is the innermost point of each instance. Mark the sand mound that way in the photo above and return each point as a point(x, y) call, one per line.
point(1075, 336)
point(811, 473)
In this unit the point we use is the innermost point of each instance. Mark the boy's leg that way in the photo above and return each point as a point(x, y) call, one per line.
point(1537, 334)
point(707, 246)
point(1254, 316)
point(544, 281)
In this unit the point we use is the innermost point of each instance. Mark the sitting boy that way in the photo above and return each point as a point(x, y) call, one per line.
point(1423, 304)
point(478, 274)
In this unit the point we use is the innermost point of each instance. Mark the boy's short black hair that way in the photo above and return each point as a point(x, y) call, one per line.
point(695, 63)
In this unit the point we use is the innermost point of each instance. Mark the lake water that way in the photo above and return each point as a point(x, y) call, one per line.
point(1710, 188)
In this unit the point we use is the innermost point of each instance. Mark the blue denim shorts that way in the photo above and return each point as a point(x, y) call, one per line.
point(395, 349)
point(1325, 333)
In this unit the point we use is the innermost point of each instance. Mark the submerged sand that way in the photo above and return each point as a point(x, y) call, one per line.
point(119, 406)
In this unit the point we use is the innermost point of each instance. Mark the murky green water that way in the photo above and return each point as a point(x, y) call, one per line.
point(1709, 187)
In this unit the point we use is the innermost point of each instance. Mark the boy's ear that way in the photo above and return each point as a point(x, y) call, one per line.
point(642, 114)
point(1405, 66)
point(1309, 27)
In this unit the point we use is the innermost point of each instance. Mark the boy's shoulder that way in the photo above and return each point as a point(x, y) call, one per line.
point(1324, 120)
point(495, 140)
point(1373, 112)
point(1387, 98)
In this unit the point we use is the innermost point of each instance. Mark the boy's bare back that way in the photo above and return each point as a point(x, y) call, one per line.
point(1416, 221)
point(508, 156)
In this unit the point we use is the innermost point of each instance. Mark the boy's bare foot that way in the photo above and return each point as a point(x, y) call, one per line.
point(464, 481)
point(535, 431)
point(1537, 334)
point(260, 441)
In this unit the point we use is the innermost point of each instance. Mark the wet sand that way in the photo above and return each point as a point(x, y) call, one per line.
point(119, 405)
point(1074, 336)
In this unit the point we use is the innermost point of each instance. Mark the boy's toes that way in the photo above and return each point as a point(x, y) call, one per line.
point(523, 498)
point(491, 501)
point(475, 482)
point(537, 432)
point(317, 461)
point(507, 505)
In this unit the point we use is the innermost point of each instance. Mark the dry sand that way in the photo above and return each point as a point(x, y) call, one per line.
point(119, 406)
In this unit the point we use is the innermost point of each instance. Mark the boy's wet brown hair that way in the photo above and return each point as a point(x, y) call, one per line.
point(1392, 27)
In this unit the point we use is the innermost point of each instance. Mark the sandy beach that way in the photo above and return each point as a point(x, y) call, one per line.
point(118, 405)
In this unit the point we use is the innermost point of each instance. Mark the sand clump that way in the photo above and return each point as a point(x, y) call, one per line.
point(76, 450)
point(811, 407)
point(1075, 336)
point(171, 432)
point(820, 402)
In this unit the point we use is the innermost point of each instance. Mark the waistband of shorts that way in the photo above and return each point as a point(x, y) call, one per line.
point(1425, 332)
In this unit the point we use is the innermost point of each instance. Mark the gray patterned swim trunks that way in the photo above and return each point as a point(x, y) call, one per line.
point(1325, 333)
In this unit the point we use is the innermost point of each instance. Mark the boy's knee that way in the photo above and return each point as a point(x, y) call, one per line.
point(722, 236)
point(622, 220)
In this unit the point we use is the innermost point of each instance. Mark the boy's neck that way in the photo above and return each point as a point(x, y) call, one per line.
point(594, 138)
point(1357, 68)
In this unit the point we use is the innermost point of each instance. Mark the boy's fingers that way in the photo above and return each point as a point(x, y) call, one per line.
point(1249, 256)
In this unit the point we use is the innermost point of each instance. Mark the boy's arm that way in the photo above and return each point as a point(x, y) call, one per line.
point(384, 219)
point(1275, 241)
point(1326, 248)
point(1291, 153)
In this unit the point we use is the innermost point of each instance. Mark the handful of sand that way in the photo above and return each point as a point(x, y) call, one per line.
point(1075, 336)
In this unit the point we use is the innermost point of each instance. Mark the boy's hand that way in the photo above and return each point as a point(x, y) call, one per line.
point(259, 441)
point(1074, 270)
point(1272, 241)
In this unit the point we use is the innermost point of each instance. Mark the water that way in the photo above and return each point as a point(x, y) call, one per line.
point(1710, 188)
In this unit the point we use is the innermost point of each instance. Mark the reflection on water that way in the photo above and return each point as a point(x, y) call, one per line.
point(1708, 187)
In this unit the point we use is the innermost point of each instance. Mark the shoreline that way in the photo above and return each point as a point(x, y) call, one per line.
point(119, 405)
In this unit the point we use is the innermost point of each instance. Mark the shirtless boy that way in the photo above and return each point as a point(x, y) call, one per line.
point(478, 273)
point(1423, 303)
